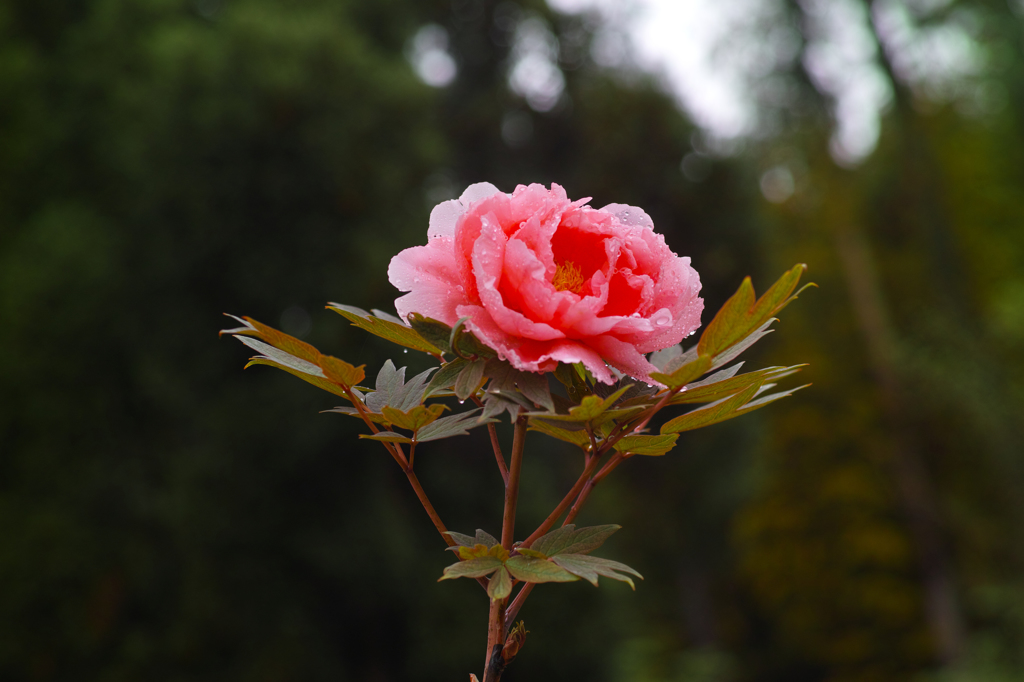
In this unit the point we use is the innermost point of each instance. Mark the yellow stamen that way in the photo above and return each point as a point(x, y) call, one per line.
point(568, 277)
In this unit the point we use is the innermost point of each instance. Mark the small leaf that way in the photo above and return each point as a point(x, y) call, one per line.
point(434, 331)
point(770, 398)
point(711, 414)
point(742, 315)
point(525, 551)
point(531, 570)
point(484, 538)
point(647, 445)
point(662, 357)
point(710, 392)
point(495, 405)
point(353, 412)
point(410, 394)
point(590, 567)
point(474, 568)
point(464, 344)
point(278, 339)
point(578, 438)
point(385, 327)
point(414, 419)
point(340, 371)
point(282, 357)
point(446, 376)
point(319, 382)
point(685, 374)
point(455, 425)
point(570, 540)
point(588, 410)
point(469, 379)
point(500, 585)
point(734, 352)
point(461, 539)
point(386, 436)
point(535, 387)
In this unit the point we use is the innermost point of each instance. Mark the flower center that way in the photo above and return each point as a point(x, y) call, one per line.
point(568, 277)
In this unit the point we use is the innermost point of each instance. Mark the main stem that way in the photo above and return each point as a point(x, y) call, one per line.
point(493, 663)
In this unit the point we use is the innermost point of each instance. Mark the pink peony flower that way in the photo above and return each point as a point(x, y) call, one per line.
point(545, 280)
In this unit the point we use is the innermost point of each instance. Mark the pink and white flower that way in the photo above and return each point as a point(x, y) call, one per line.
point(545, 280)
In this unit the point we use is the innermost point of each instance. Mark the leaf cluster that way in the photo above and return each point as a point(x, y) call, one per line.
point(558, 557)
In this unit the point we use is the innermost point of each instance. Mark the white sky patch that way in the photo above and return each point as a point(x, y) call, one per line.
point(429, 56)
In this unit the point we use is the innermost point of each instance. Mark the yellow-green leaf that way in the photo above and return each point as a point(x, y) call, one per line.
point(531, 570)
point(500, 585)
point(385, 329)
point(711, 414)
point(651, 445)
point(686, 373)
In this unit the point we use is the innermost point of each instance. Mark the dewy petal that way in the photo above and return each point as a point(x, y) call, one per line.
point(530, 355)
point(445, 215)
point(431, 276)
point(488, 268)
point(629, 215)
point(624, 357)
point(476, 192)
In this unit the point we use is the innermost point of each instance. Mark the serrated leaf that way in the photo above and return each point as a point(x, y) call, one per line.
point(495, 405)
point(571, 540)
point(410, 394)
point(434, 331)
point(386, 436)
point(711, 414)
point(414, 419)
point(446, 376)
point(741, 315)
point(387, 328)
point(473, 568)
point(684, 374)
point(469, 379)
point(532, 570)
point(389, 381)
point(590, 567)
point(340, 371)
point(455, 425)
point(500, 585)
point(535, 387)
point(652, 446)
point(578, 438)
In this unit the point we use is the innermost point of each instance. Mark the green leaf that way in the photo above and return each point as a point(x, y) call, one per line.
point(588, 410)
point(473, 568)
point(455, 425)
point(464, 344)
point(414, 419)
point(647, 445)
point(711, 414)
point(469, 379)
point(570, 540)
point(278, 339)
point(319, 382)
point(525, 551)
point(353, 412)
point(282, 357)
point(770, 398)
point(741, 315)
point(707, 392)
point(446, 376)
point(340, 372)
point(461, 539)
point(590, 567)
point(532, 570)
point(575, 385)
point(434, 331)
point(578, 438)
point(685, 374)
point(385, 328)
point(500, 585)
point(535, 387)
point(386, 436)
point(482, 537)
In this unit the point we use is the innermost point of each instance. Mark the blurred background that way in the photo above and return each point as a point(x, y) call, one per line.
point(166, 516)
